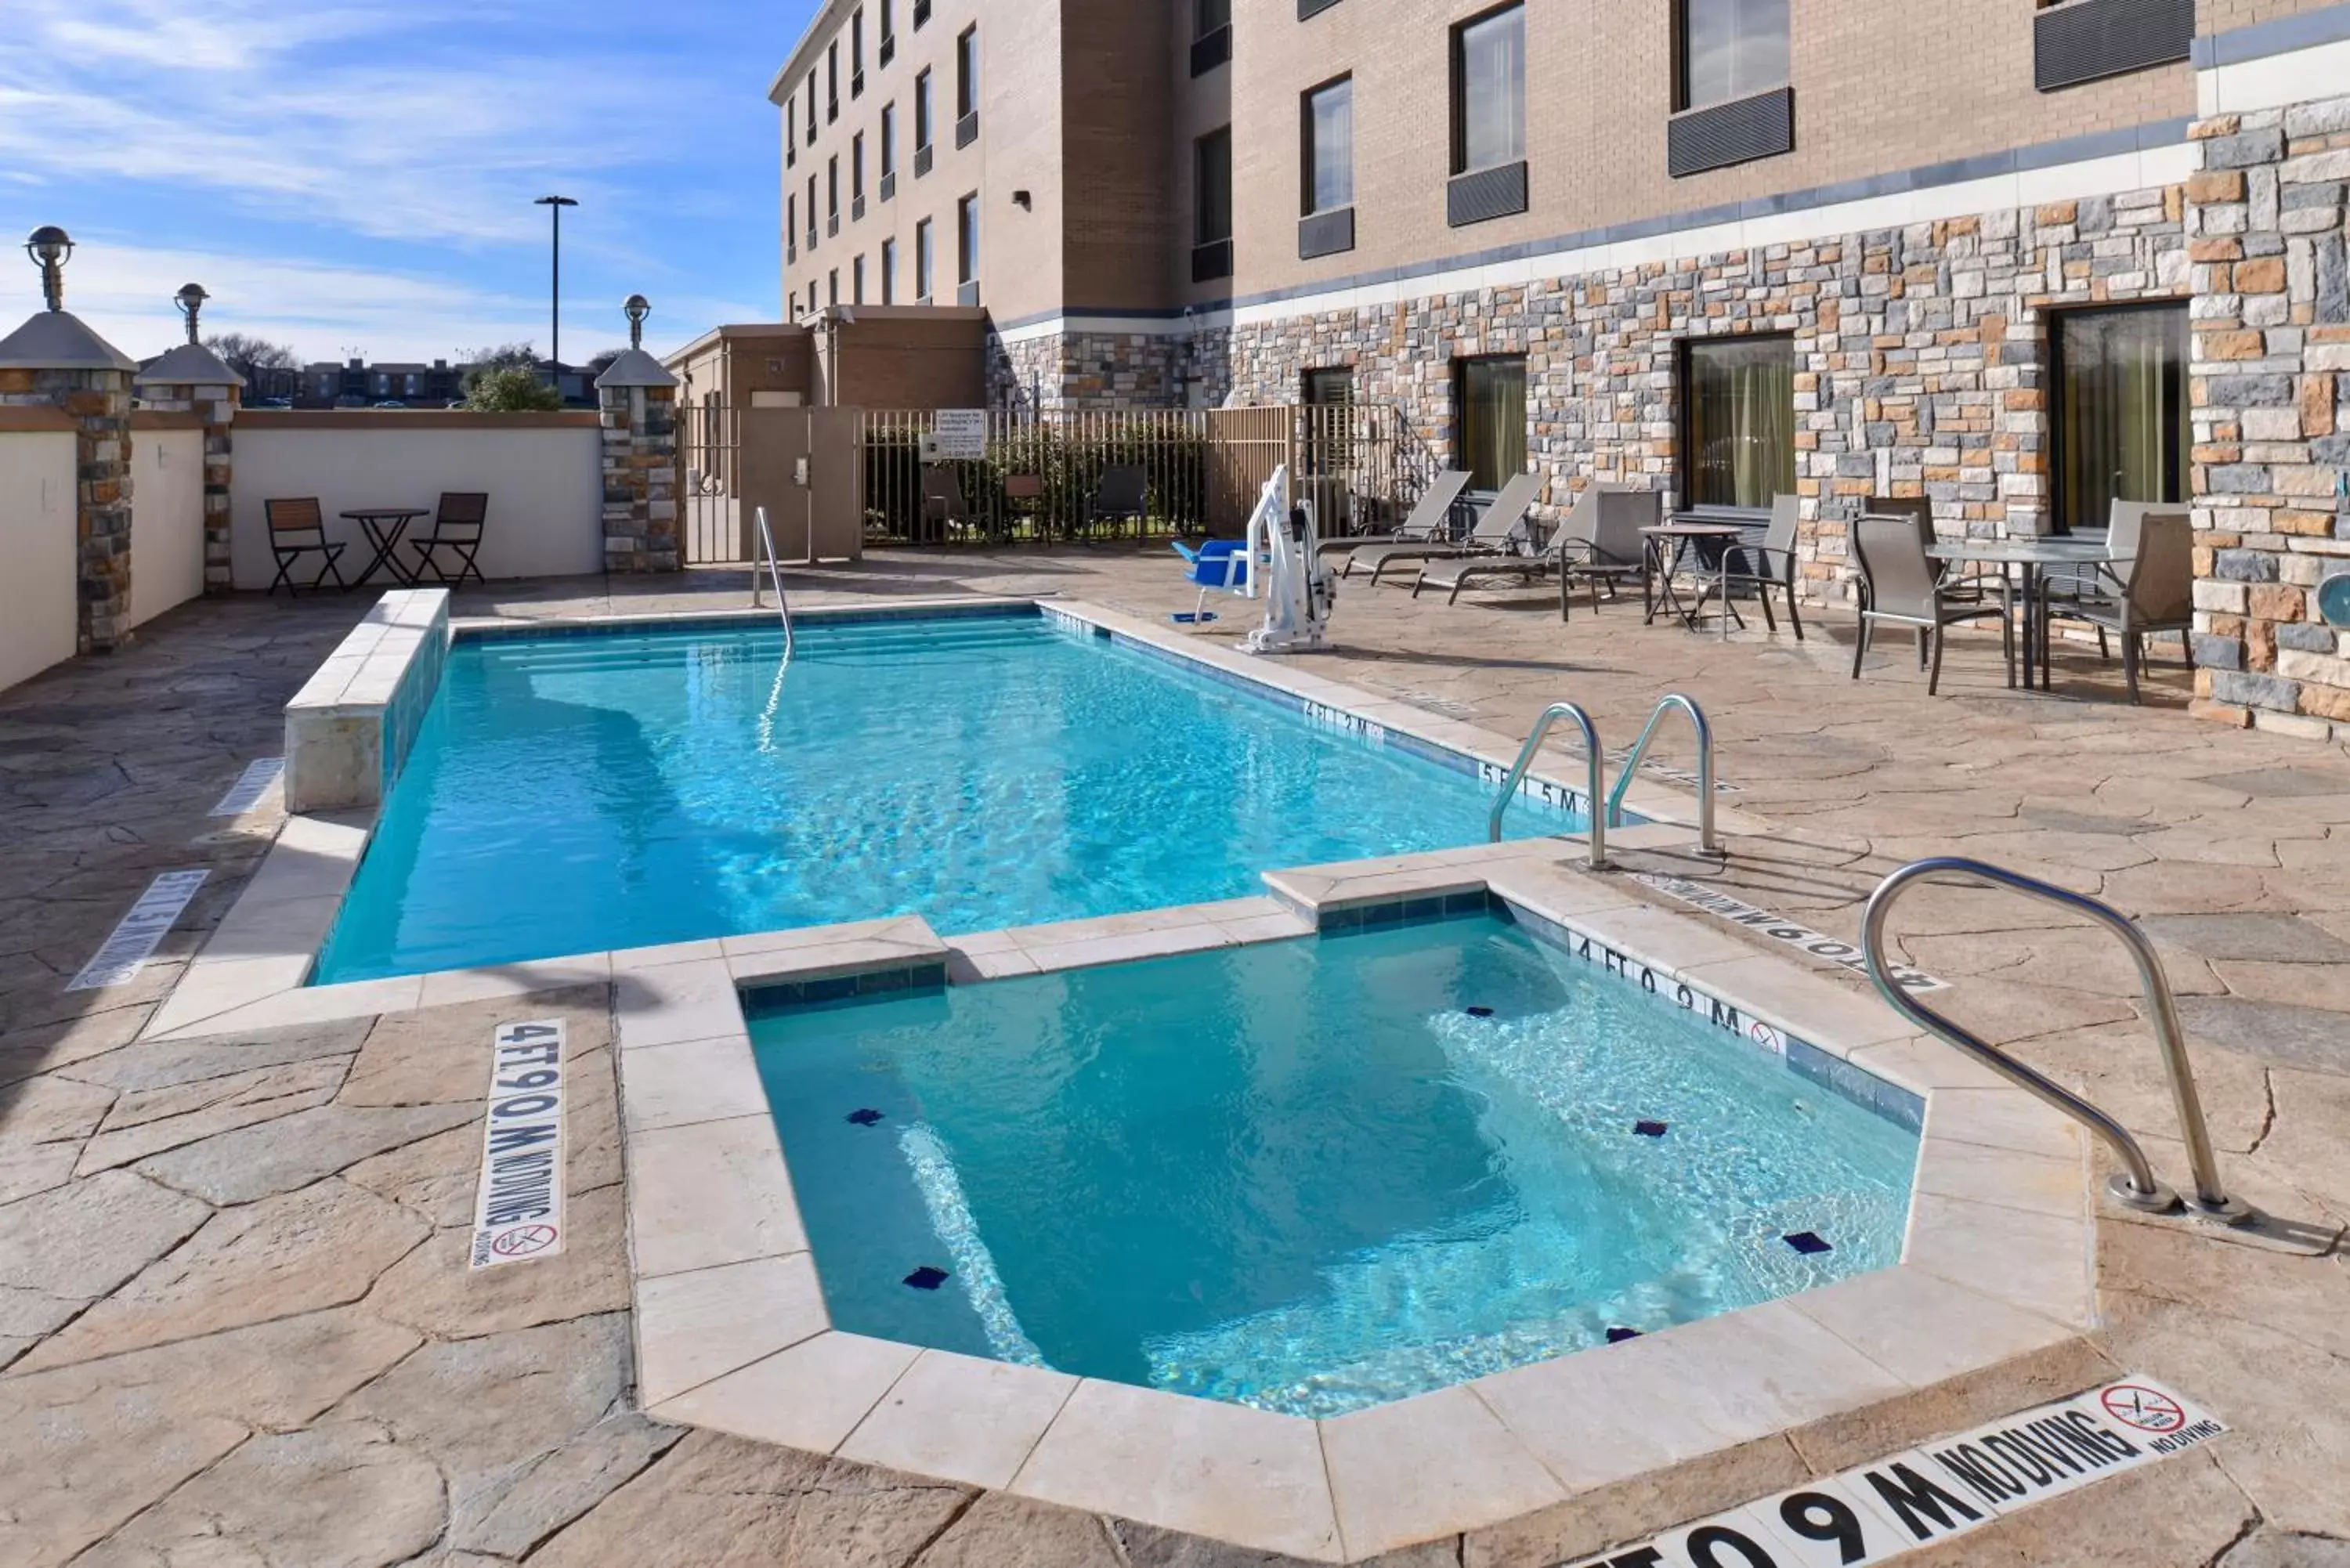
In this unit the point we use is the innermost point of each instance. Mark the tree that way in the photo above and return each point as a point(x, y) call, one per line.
point(248, 355)
point(603, 361)
point(510, 389)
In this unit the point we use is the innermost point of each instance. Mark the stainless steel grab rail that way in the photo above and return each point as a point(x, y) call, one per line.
point(775, 574)
point(1682, 701)
point(2137, 1186)
point(1551, 715)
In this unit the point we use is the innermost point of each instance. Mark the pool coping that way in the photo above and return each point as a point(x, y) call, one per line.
point(251, 971)
point(733, 1333)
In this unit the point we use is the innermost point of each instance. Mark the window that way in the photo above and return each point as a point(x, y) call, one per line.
point(888, 31)
point(1738, 401)
point(832, 194)
point(1211, 203)
point(791, 133)
point(967, 240)
point(1335, 386)
point(856, 280)
point(811, 108)
point(922, 261)
point(857, 172)
point(1493, 402)
point(856, 53)
point(791, 226)
point(1488, 91)
point(2121, 428)
point(888, 141)
point(1211, 34)
point(921, 14)
point(1726, 49)
point(967, 73)
point(921, 111)
point(1328, 165)
point(1213, 189)
point(1207, 15)
point(2076, 41)
point(811, 212)
point(889, 270)
point(832, 286)
point(832, 81)
point(793, 307)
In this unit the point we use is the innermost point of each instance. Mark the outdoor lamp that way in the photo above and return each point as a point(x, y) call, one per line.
point(635, 309)
point(49, 246)
point(191, 299)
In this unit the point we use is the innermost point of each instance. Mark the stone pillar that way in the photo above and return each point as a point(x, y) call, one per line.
point(2265, 222)
point(639, 403)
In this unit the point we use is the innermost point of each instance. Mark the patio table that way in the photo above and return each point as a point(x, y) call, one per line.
point(1668, 545)
point(383, 526)
point(2031, 556)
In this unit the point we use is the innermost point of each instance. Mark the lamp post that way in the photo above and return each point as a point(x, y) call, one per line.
point(49, 246)
point(555, 205)
point(190, 300)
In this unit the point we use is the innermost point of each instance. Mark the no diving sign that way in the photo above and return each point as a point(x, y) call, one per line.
point(518, 1208)
point(1944, 1489)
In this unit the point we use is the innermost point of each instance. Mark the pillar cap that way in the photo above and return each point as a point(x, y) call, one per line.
point(60, 340)
point(189, 365)
point(635, 367)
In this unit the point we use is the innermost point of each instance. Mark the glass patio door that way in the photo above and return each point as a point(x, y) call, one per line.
point(1740, 398)
point(1493, 421)
point(2122, 430)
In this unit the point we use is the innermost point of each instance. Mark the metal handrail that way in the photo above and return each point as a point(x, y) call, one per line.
point(2137, 1186)
point(775, 574)
point(1598, 779)
point(1685, 703)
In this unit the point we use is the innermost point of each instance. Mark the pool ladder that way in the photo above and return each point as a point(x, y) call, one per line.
point(775, 576)
point(2136, 1185)
point(1612, 814)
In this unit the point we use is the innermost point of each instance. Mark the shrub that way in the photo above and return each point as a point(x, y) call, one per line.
point(512, 391)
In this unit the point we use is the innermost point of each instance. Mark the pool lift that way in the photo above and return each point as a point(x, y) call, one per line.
point(1286, 569)
point(783, 607)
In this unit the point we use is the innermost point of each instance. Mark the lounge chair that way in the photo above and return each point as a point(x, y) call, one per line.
point(1601, 542)
point(1772, 563)
point(1904, 589)
point(1517, 560)
point(2157, 593)
point(298, 528)
point(1220, 566)
point(457, 528)
point(1426, 525)
point(1502, 521)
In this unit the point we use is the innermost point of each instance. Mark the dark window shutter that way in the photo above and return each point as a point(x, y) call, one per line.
point(1210, 261)
point(1212, 50)
point(1488, 194)
point(1326, 233)
point(1738, 131)
point(2083, 40)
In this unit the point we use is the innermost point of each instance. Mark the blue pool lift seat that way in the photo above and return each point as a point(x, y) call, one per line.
point(1220, 565)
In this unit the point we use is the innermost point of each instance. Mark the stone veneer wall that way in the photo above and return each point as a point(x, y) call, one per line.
point(1108, 370)
point(2272, 410)
point(99, 402)
point(640, 479)
point(1921, 356)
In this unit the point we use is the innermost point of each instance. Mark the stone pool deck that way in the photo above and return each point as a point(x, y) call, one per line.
point(235, 1325)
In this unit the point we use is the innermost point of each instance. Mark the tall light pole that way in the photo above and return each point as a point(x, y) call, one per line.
point(555, 354)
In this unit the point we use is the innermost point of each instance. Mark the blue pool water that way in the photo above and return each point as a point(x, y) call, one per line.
point(571, 794)
point(1302, 1175)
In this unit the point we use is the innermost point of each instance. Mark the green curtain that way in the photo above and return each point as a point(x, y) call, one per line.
point(2122, 412)
point(1741, 404)
point(1493, 421)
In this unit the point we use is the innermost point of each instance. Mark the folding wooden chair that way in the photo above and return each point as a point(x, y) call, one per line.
point(457, 527)
point(298, 528)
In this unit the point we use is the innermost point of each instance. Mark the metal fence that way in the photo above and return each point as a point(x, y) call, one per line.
point(712, 526)
point(1084, 475)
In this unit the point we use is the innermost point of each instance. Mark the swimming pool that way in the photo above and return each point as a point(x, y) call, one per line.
point(1316, 1175)
point(578, 793)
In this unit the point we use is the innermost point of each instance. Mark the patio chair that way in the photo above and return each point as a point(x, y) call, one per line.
point(1024, 496)
point(1501, 522)
point(942, 502)
point(1603, 544)
point(1123, 496)
point(1902, 588)
point(1956, 586)
point(457, 528)
point(2156, 595)
point(298, 528)
point(1427, 523)
point(2066, 587)
point(1772, 563)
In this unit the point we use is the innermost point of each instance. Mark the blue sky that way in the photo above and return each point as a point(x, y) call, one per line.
point(358, 174)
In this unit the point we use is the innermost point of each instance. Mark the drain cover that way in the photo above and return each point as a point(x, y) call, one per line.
point(1618, 1335)
point(1807, 1243)
point(1479, 1011)
point(1650, 1130)
point(927, 1278)
point(865, 1117)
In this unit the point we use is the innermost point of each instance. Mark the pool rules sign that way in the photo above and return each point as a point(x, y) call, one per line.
point(1941, 1489)
point(518, 1210)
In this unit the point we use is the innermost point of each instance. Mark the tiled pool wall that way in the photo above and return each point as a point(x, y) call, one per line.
point(1369, 731)
point(1864, 1089)
point(349, 729)
point(412, 699)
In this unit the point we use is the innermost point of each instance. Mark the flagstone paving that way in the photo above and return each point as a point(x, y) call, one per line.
point(236, 1324)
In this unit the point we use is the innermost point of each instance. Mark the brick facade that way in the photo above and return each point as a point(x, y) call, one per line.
point(2272, 411)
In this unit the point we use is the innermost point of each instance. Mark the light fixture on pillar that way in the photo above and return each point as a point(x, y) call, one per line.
point(636, 309)
point(190, 301)
point(49, 246)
